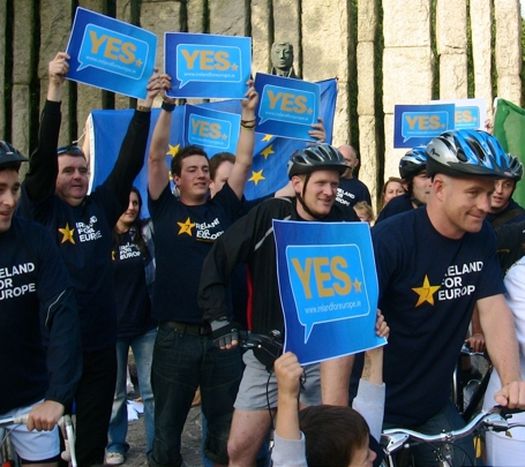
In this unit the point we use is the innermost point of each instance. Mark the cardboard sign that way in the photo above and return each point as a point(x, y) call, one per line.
point(110, 54)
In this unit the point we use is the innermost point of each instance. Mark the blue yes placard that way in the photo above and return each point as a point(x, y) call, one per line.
point(328, 288)
point(206, 65)
point(287, 106)
point(416, 125)
point(214, 131)
point(110, 54)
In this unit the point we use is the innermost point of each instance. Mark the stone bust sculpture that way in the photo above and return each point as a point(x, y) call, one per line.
point(282, 59)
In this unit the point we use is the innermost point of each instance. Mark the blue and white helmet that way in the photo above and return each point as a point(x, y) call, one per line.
point(471, 152)
point(413, 163)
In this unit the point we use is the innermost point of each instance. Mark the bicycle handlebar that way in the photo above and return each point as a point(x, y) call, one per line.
point(494, 420)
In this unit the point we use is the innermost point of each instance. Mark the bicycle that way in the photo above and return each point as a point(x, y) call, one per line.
point(395, 439)
point(8, 456)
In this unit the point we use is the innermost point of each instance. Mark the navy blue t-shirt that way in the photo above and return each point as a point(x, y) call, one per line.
point(428, 287)
point(183, 237)
point(130, 289)
point(351, 191)
point(32, 276)
point(397, 205)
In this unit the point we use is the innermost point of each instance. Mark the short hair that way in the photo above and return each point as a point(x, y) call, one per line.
point(218, 159)
point(187, 151)
point(363, 205)
point(392, 179)
point(71, 150)
point(332, 432)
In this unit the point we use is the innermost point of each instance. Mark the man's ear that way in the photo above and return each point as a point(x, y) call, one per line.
point(297, 183)
point(176, 180)
point(438, 185)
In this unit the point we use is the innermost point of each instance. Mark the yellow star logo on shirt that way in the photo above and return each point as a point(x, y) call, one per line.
point(426, 292)
point(185, 227)
point(267, 137)
point(256, 177)
point(357, 285)
point(173, 150)
point(267, 151)
point(67, 234)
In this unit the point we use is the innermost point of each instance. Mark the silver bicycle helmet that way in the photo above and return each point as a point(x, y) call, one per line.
point(317, 157)
point(471, 152)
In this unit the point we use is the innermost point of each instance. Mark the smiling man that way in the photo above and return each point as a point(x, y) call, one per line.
point(434, 265)
point(314, 172)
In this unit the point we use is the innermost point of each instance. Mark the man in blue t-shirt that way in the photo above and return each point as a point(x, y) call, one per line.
point(39, 329)
point(55, 193)
point(184, 355)
point(434, 265)
point(351, 190)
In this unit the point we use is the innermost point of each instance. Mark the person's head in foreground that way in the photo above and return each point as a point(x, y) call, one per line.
point(413, 170)
point(464, 165)
point(315, 172)
point(10, 160)
point(335, 435)
point(190, 170)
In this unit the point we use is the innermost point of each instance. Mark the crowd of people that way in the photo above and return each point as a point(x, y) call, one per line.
point(83, 279)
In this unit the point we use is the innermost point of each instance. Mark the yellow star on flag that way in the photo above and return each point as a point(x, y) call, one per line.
point(426, 292)
point(267, 137)
point(357, 285)
point(267, 151)
point(138, 63)
point(173, 150)
point(185, 227)
point(67, 234)
point(256, 177)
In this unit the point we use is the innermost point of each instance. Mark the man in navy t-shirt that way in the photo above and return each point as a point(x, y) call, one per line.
point(55, 193)
point(185, 356)
point(39, 330)
point(351, 190)
point(434, 264)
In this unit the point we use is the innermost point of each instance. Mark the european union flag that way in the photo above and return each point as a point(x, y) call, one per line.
point(270, 156)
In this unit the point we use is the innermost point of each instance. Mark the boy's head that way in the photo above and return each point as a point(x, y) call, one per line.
point(337, 434)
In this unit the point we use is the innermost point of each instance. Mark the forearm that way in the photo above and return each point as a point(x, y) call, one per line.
point(158, 174)
point(500, 337)
point(287, 424)
point(373, 368)
point(335, 379)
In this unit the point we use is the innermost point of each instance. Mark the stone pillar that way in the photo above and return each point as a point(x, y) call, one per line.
point(366, 31)
point(451, 38)
point(407, 66)
point(3, 12)
point(228, 18)
point(508, 49)
point(196, 15)
point(325, 41)
point(287, 27)
point(23, 45)
point(160, 17)
point(261, 39)
point(481, 22)
point(57, 17)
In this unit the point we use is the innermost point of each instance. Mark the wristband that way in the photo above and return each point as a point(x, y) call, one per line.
point(143, 108)
point(167, 106)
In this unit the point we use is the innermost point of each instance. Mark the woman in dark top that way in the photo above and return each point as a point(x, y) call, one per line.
point(133, 273)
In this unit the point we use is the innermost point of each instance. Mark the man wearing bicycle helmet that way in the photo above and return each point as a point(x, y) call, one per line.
point(434, 265)
point(39, 329)
point(412, 169)
point(314, 173)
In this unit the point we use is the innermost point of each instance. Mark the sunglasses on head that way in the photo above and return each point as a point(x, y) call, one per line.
point(70, 149)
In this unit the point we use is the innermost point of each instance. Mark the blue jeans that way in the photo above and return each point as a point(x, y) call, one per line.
point(142, 348)
point(447, 419)
point(181, 362)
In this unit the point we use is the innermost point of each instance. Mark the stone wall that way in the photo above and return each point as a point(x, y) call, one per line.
point(382, 52)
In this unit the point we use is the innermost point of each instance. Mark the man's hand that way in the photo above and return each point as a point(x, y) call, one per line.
point(318, 131)
point(476, 342)
point(512, 395)
point(288, 372)
point(249, 102)
point(44, 416)
point(57, 71)
point(224, 333)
